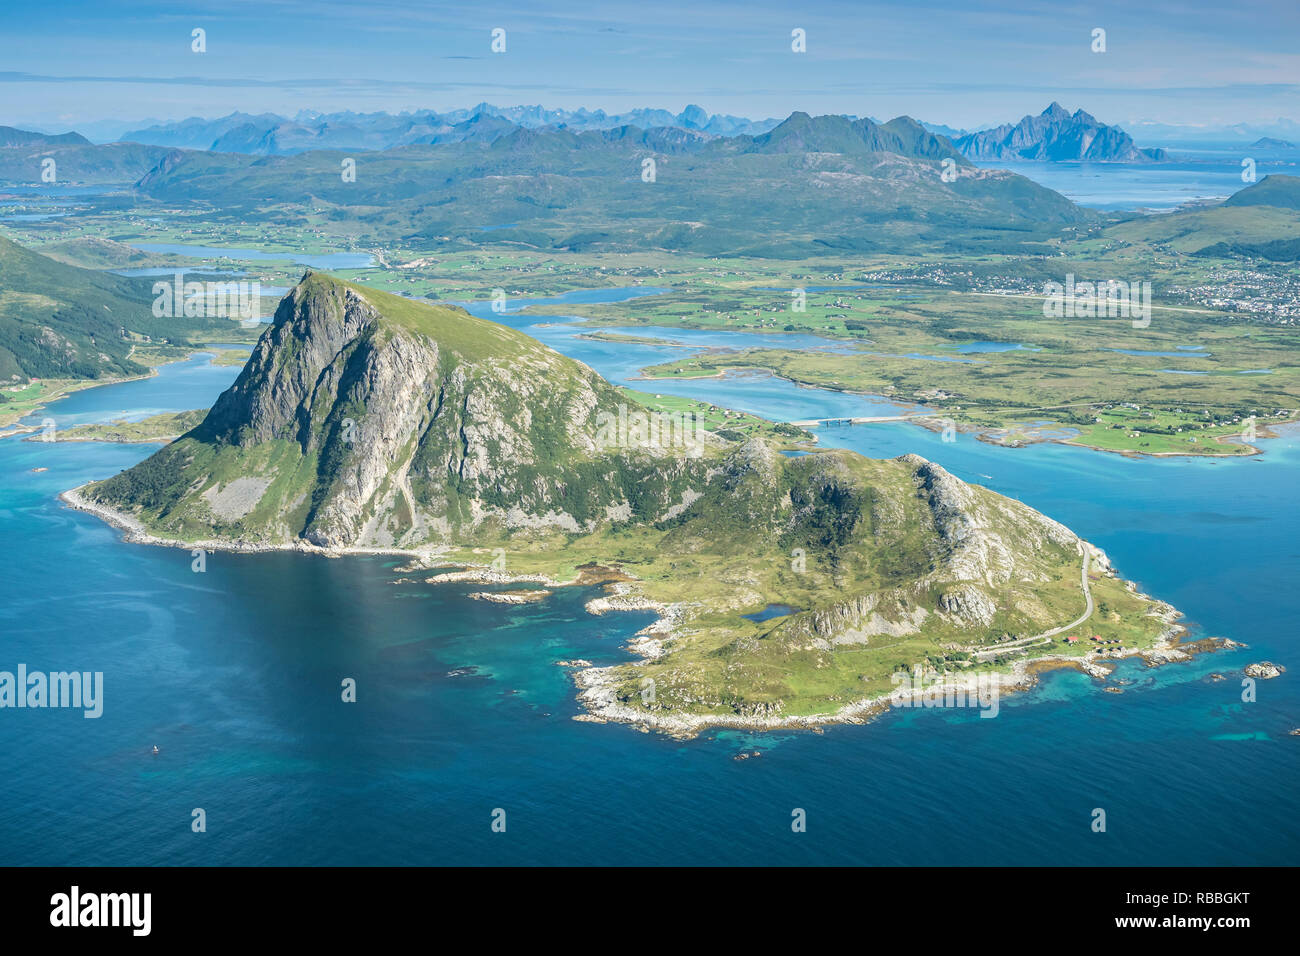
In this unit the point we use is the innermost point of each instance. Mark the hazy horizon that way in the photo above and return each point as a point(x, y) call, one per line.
point(78, 65)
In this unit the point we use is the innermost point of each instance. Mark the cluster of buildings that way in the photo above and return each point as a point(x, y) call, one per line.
point(937, 274)
point(1096, 639)
point(1272, 297)
point(1275, 298)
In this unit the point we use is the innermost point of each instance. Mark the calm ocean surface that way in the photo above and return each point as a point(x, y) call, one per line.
point(234, 674)
point(1194, 171)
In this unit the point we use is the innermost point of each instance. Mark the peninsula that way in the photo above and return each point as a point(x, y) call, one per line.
point(365, 422)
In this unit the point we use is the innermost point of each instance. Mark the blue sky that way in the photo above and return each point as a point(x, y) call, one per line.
point(67, 64)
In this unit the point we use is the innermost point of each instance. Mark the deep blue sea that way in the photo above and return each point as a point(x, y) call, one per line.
point(234, 674)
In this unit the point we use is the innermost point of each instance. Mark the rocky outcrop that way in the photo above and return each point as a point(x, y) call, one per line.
point(1264, 670)
point(367, 426)
point(511, 597)
point(981, 539)
point(295, 368)
point(968, 604)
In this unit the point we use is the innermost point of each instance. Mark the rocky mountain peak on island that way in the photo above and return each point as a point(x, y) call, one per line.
point(364, 421)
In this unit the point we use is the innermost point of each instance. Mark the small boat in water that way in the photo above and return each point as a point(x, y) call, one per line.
point(155, 748)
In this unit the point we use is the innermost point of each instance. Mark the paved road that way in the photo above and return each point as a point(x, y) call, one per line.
point(1087, 593)
point(1039, 639)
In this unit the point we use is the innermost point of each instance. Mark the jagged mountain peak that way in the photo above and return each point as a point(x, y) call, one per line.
point(1056, 134)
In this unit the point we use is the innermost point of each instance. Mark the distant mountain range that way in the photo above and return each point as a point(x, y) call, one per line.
point(10, 137)
point(1056, 135)
point(22, 152)
point(76, 159)
point(804, 185)
point(272, 135)
point(807, 185)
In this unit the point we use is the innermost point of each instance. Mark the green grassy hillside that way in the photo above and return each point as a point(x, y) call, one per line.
point(1276, 190)
point(61, 321)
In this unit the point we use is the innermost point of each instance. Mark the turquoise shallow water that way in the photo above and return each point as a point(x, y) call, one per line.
point(234, 673)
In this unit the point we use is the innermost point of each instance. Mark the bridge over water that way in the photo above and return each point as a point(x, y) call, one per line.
point(870, 420)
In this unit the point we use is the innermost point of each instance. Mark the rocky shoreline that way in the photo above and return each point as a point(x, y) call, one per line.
point(135, 533)
point(511, 597)
point(596, 684)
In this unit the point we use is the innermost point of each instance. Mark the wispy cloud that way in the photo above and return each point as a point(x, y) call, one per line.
point(950, 61)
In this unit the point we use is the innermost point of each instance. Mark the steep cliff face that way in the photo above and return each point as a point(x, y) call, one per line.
point(363, 419)
point(328, 361)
